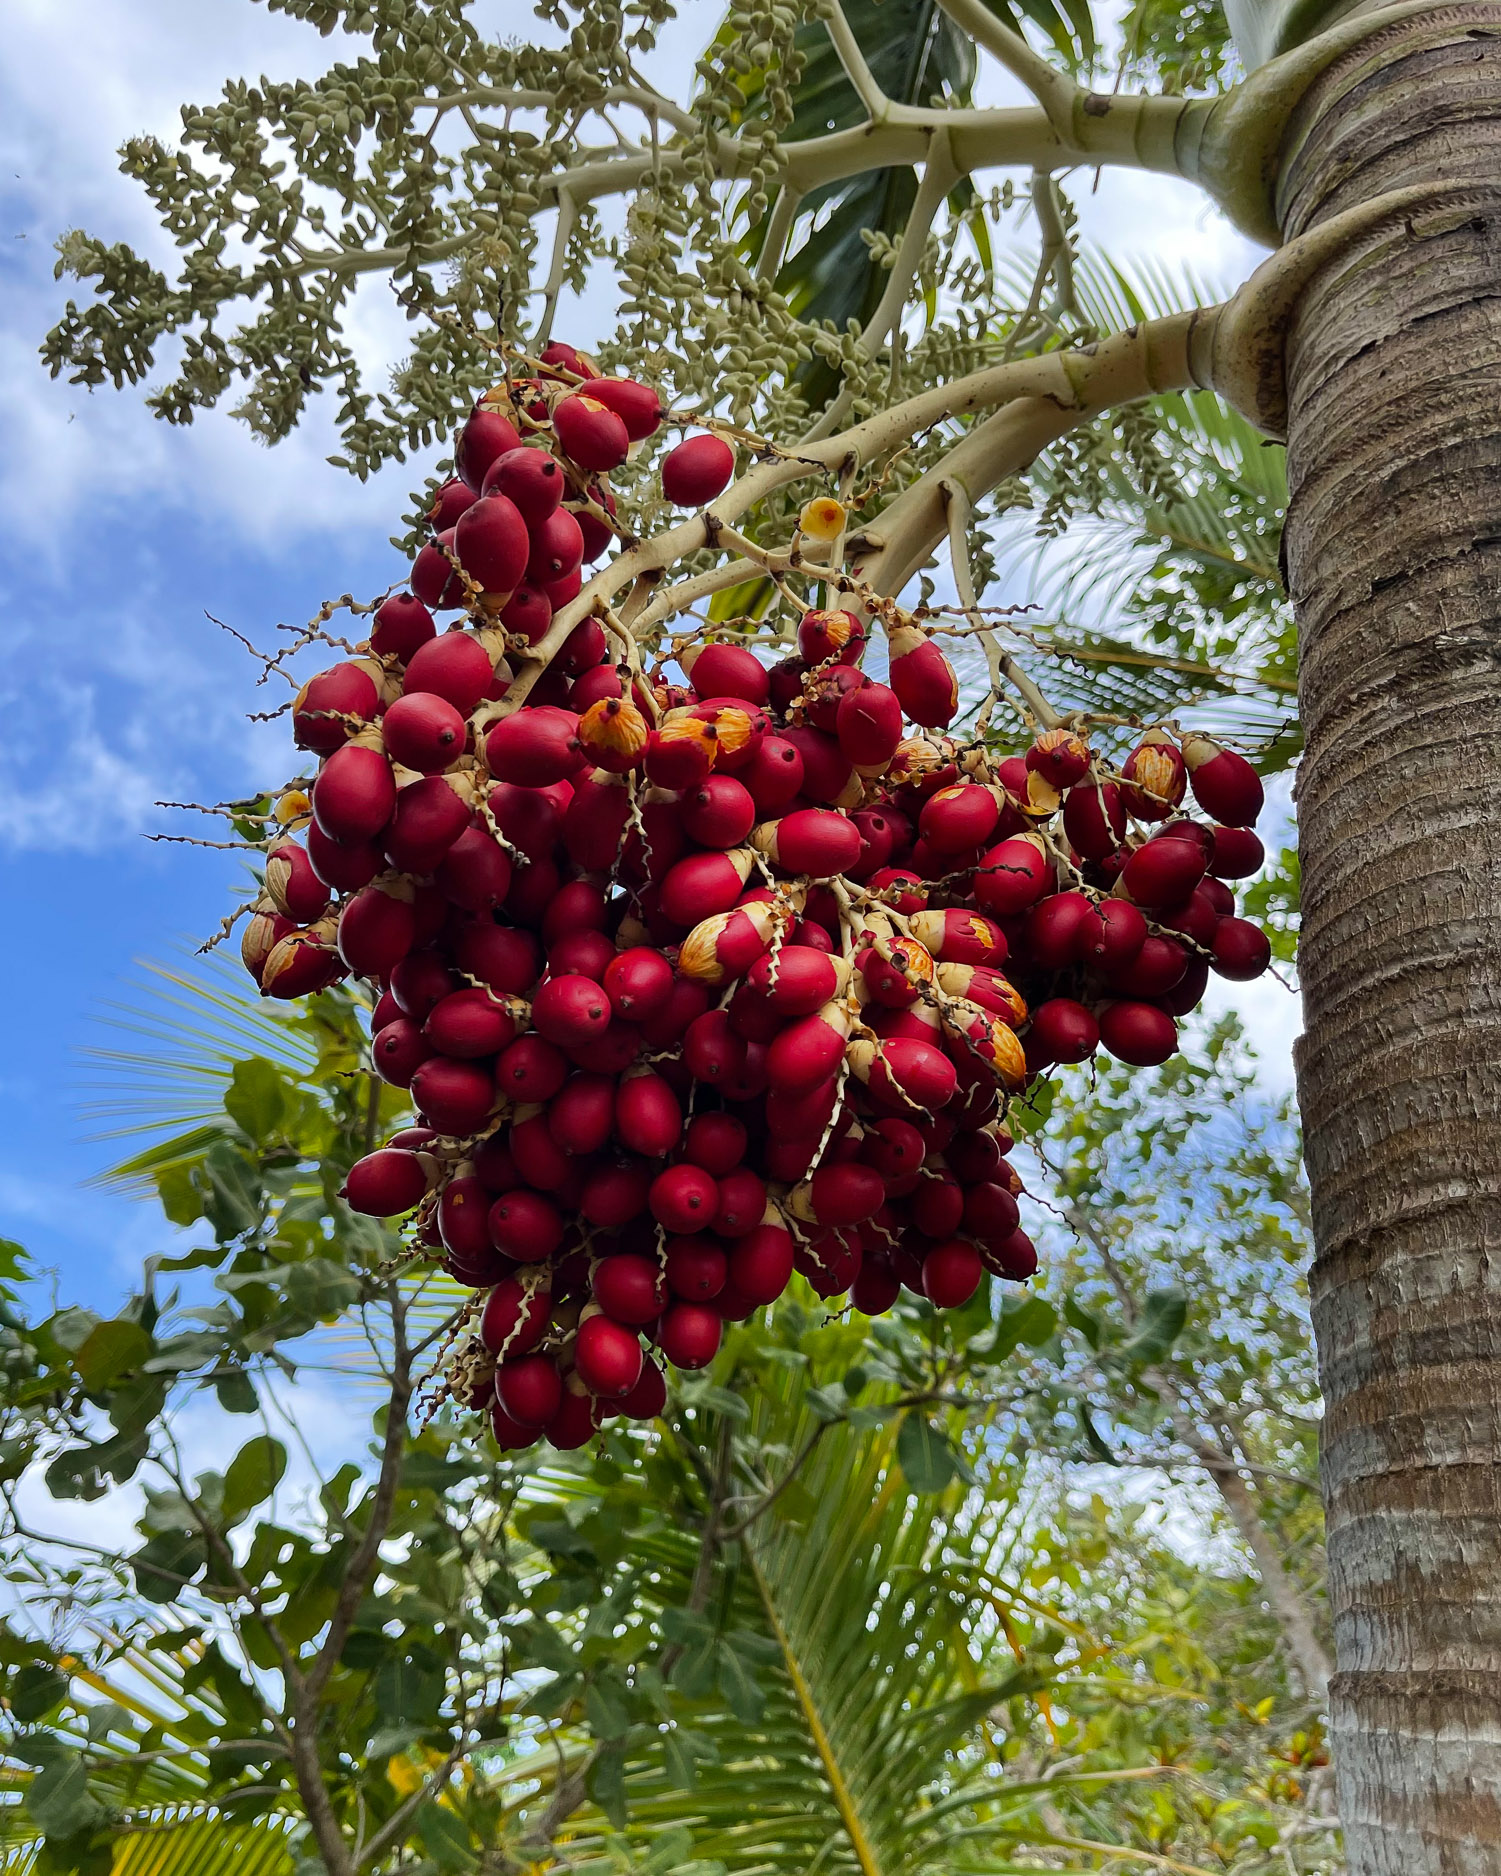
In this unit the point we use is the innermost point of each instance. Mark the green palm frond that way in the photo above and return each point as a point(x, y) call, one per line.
point(178, 1844)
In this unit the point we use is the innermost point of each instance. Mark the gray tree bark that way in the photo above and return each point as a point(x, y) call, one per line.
point(1393, 549)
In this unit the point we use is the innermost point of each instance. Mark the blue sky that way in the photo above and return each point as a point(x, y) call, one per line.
point(118, 534)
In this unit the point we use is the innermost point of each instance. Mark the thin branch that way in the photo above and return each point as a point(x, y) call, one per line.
point(852, 59)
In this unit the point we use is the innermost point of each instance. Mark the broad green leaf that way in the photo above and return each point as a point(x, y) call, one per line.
point(927, 1458)
point(109, 1351)
point(256, 1099)
point(254, 1474)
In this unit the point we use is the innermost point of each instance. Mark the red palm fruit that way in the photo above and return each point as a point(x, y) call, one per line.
point(809, 932)
point(824, 635)
point(719, 812)
point(462, 1208)
point(1013, 875)
point(530, 478)
point(449, 501)
point(613, 734)
point(530, 1389)
point(532, 891)
point(704, 883)
point(922, 678)
point(1224, 784)
point(558, 352)
point(594, 822)
point(1218, 894)
point(974, 1157)
point(724, 947)
point(683, 1199)
point(828, 775)
point(1113, 935)
point(1197, 919)
point(904, 1074)
point(638, 983)
point(894, 1148)
point(578, 906)
point(937, 1204)
point(581, 954)
point(959, 819)
point(1242, 950)
point(470, 1023)
point(476, 871)
point(876, 1287)
point(809, 1050)
point(387, 1182)
point(571, 1011)
point(615, 1193)
point(423, 732)
point(742, 1203)
point(1188, 992)
point(486, 435)
point(825, 690)
point(978, 983)
point(841, 1194)
point(598, 534)
point(785, 683)
point(1157, 776)
point(868, 724)
point(1155, 969)
point(453, 1096)
point(900, 888)
point(386, 1010)
point(429, 818)
point(531, 1069)
point(332, 706)
point(591, 433)
point(697, 470)
point(607, 1356)
point(557, 550)
point(831, 1262)
point(354, 795)
point(573, 1425)
point(420, 982)
point(647, 1398)
point(431, 911)
point(495, 1165)
point(789, 1160)
point(796, 981)
point(990, 1211)
point(816, 841)
point(1059, 929)
point(515, 1316)
point(1138, 1033)
point(670, 1023)
point(680, 752)
point(398, 1049)
point(711, 1049)
point(510, 1435)
point(1238, 853)
point(696, 1268)
point(1094, 819)
point(689, 1334)
point(1161, 875)
point(530, 818)
point(895, 971)
point(402, 625)
point(528, 612)
point(760, 1264)
point(454, 666)
point(951, 1273)
point(1060, 757)
point(647, 856)
point(376, 931)
point(727, 671)
point(581, 1115)
point(802, 1114)
point(526, 1225)
point(506, 960)
point(343, 865)
point(647, 1117)
point(582, 651)
point(534, 747)
point(1063, 1030)
point(559, 593)
point(878, 835)
point(736, 728)
point(958, 937)
point(291, 884)
point(612, 1053)
point(716, 1142)
point(629, 1288)
point(492, 544)
point(636, 405)
point(434, 579)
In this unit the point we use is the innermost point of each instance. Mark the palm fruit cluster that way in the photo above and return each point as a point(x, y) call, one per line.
point(702, 977)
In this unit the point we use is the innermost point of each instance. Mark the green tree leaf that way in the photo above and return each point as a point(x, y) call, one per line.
point(254, 1474)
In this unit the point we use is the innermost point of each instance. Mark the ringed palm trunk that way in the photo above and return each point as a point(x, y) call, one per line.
point(1393, 551)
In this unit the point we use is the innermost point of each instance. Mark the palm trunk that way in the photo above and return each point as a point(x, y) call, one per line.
point(1393, 548)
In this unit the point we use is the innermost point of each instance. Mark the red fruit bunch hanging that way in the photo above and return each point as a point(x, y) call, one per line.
point(697, 984)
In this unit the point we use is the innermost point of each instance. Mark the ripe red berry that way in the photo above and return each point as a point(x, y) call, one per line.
point(684, 1199)
point(951, 1273)
point(689, 1334)
point(697, 470)
point(530, 1389)
point(629, 1288)
point(386, 1182)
